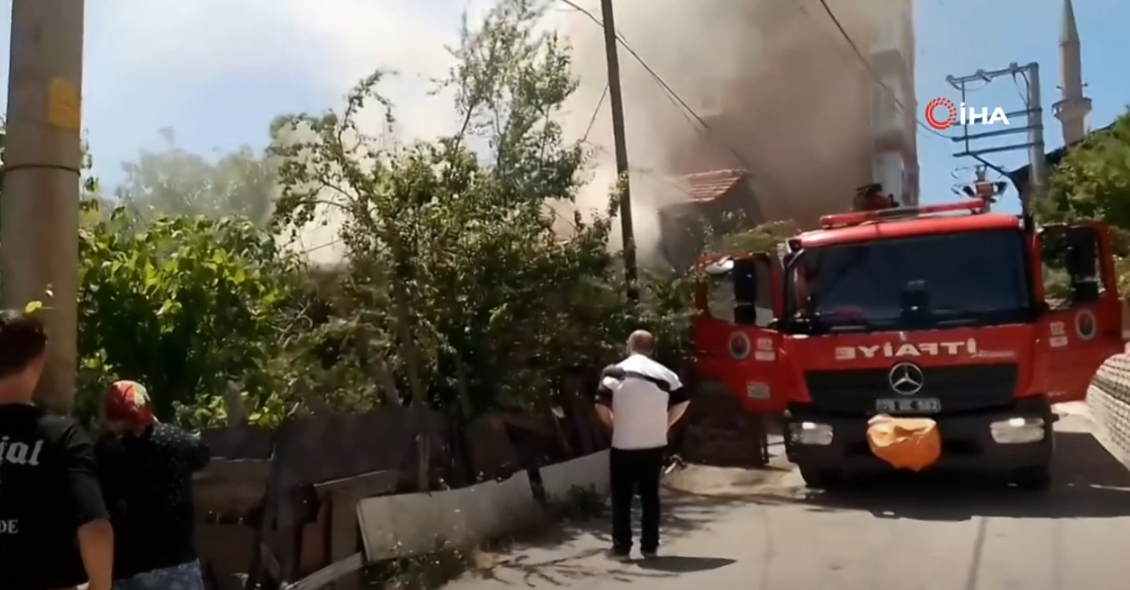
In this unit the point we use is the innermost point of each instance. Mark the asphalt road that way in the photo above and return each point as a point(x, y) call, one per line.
point(944, 533)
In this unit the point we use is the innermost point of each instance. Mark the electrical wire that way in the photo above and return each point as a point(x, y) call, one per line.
point(687, 111)
point(595, 112)
point(979, 88)
point(870, 70)
point(878, 80)
point(1024, 95)
point(322, 246)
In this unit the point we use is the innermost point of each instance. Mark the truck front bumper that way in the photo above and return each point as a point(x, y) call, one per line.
point(999, 440)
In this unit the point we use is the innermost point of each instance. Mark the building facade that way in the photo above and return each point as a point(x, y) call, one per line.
point(894, 109)
point(810, 123)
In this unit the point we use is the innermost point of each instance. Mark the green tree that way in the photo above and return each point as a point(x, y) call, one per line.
point(174, 181)
point(183, 305)
point(1093, 179)
point(459, 291)
point(1093, 182)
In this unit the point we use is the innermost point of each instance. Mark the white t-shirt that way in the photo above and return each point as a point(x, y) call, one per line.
point(639, 391)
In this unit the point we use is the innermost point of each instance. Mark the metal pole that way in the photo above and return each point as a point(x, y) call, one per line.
point(1037, 185)
point(42, 158)
point(616, 102)
point(1039, 169)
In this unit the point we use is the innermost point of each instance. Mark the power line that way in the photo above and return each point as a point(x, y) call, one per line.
point(894, 97)
point(321, 246)
point(595, 112)
point(688, 112)
point(870, 70)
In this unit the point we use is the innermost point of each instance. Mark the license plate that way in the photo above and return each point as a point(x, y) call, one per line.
point(921, 405)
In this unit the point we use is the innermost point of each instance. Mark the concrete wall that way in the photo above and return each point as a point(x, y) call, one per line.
point(588, 472)
point(414, 524)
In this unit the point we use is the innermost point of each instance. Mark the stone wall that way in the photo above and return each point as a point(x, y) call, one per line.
point(1109, 400)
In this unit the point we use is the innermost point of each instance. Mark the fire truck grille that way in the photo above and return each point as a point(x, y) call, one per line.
point(957, 388)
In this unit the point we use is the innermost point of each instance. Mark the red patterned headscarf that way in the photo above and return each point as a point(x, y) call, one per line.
point(128, 401)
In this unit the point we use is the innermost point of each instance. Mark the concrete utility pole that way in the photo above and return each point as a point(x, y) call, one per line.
point(616, 102)
point(1033, 113)
point(42, 158)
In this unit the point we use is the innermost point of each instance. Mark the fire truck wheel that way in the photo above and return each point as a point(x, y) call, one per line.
point(820, 478)
point(1037, 478)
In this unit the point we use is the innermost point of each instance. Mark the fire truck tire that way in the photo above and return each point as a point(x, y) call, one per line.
point(1038, 478)
point(821, 479)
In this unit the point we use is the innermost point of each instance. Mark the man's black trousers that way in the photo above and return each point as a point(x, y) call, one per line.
point(634, 472)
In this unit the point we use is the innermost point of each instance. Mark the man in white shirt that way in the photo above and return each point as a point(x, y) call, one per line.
point(640, 400)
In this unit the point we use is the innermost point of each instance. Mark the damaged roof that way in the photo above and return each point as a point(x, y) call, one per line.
point(704, 187)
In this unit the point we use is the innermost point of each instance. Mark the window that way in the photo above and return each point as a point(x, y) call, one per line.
point(720, 298)
point(886, 113)
point(953, 279)
point(880, 105)
point(763, 303)
point(723, 301)
point(890, 33)
point(889, 171)
point(1061, 286)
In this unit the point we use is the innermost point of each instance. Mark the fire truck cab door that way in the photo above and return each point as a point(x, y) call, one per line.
point(754, 346)
point(1082, 326)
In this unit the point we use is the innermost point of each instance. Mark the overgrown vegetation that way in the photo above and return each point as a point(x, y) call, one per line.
point(1093, 182)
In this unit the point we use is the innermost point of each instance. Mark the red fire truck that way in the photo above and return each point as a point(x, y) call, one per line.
point(937, 311)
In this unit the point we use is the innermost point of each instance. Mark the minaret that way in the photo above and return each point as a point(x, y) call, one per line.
point(1073, 108)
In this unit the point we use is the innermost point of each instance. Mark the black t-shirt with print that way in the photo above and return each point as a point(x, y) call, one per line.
point(48, 489)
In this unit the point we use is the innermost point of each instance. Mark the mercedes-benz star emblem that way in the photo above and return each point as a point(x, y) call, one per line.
point(906, 378)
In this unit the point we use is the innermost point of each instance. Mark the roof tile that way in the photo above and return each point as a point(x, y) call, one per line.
point(703, 187)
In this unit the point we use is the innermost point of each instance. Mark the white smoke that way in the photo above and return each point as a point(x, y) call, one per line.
point(787, 85)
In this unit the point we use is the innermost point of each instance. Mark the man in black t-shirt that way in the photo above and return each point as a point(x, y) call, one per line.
point(54, 529)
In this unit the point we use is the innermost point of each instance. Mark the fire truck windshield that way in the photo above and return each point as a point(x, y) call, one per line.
point(929, 281)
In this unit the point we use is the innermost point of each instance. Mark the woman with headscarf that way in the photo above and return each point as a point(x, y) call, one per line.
point(146, 472)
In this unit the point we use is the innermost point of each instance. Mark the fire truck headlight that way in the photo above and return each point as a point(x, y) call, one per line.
point(811, 433)
point(1017, 431)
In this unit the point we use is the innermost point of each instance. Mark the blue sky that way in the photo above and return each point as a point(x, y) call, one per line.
point(960, 36)
point(218, 71)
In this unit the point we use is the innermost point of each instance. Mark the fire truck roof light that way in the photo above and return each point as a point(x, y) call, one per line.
point(844, 219)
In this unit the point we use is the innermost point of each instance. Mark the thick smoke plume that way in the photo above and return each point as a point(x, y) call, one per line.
point(783, 93)
point(774, 79)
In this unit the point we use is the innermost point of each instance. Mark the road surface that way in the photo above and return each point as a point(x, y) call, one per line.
point(938, 534)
